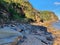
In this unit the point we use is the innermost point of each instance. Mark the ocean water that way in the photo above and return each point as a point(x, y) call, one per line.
point(56, 25)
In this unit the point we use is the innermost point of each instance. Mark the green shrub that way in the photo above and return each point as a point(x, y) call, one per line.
point(45, 15)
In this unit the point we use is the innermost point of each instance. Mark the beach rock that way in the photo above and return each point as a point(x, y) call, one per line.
point(35, 35)
point(8, 35)
point(25, 34)
point(54, 28)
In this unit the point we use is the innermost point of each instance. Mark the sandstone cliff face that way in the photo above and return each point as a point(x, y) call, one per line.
point(23, 9)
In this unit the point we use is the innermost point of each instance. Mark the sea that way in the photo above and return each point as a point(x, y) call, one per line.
point(56, 25)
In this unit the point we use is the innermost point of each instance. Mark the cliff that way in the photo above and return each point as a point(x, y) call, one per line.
point(23, 11)
point(12, 12)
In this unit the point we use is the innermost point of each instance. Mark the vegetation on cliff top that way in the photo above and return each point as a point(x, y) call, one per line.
point(23, 11)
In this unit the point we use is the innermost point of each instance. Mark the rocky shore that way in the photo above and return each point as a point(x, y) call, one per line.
point(55, 30)
point(26, 34)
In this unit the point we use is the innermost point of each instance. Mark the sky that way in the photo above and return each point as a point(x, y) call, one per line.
point(50, 5)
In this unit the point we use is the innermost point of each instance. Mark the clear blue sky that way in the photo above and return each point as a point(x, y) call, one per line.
point(51, 5)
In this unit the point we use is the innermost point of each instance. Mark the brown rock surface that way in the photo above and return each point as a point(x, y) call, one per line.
point(56, 34)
